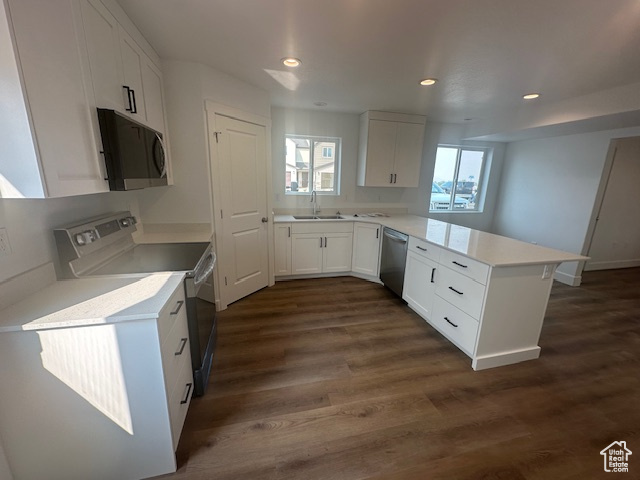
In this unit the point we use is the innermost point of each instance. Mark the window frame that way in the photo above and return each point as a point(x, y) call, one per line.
point(479, 203)
point(337, 161)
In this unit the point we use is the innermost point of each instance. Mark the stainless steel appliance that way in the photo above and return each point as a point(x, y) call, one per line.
point(394, 257)
point(104, 246)
point(134, 154)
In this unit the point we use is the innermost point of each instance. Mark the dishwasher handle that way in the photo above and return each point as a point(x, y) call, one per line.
point(395, 238)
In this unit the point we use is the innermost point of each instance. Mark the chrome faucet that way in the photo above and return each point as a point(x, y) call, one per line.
point(314, 201)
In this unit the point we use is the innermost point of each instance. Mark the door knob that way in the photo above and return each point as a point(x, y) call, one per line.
point(265, 219)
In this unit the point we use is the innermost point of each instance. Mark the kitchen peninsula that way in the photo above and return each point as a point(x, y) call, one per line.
point(485, 293)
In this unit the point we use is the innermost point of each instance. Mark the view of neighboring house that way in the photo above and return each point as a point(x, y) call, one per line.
point(310, 159)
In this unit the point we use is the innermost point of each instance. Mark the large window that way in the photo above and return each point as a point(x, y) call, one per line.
point(312, 164)
point(457, 178)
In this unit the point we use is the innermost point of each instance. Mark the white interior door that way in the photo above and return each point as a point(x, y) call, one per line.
point(616, 239)
point(243, 259)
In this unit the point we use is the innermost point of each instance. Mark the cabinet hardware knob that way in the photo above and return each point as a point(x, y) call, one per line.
point(186, 397)
point(450, 322)
point(128, 89)
point(183, 343)
point(265, 219)
point(178, 307)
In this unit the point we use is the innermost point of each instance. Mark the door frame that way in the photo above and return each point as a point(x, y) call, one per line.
point(211, 110)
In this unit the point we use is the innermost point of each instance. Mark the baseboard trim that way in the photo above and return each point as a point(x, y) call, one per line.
point(571, 280)
point(611, 265)
point(505, 358)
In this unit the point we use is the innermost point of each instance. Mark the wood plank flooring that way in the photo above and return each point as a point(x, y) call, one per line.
point(338, 379)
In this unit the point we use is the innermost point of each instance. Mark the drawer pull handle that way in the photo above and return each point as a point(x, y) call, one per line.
point(421, 248)
point(186, 397)
point(433, 272)
point(459, 264)
point(458, 292)
point(183, 343)
point(450, 322)
point(178, 307)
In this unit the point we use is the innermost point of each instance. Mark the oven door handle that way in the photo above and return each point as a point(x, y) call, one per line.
point(201, 277)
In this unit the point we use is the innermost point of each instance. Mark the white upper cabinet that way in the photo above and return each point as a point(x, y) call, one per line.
point(60, 61)
point(103, 47)
point(50, 148)
point(123, 76)
point(390, 153)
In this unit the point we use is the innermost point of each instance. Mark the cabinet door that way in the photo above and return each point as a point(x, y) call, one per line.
point(153, 97)
point(366, 249)
point(282, 233)
point(336, 254)
point(47, 36)
point(306, 253)
point(105, 61)
point(408, 154)
point(381, 144)
point(132, 61)
point(419, 284)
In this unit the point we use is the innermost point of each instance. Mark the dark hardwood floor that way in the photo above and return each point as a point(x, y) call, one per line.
point(338, 379)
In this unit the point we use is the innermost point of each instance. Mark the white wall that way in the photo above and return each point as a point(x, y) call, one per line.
point(187, 86)
point(548, 190)
point(30, 224)
point(346, 126)
point(5, 472)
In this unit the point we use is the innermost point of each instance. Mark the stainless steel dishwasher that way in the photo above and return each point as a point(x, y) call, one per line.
point(394, 256)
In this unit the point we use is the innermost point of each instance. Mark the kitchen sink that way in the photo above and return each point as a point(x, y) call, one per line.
point(318, 217)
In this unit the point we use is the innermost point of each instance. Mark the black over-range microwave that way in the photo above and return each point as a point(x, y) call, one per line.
point(134, 154)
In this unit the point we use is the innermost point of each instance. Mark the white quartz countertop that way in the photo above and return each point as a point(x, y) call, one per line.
point(91, 301)
point(494, 250)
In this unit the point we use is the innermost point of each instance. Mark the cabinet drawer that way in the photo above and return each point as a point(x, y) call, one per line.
point(471, 268)
point(179, 400)
point(174, 309)
point(174, 348)
point(460, 291)
point(454, 324)
point(424, 249)
point(318, 226)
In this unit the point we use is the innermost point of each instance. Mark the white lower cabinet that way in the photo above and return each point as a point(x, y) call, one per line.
point(453, 323)
point(493, 314)
point(282, 243)
point(322, 247)
point(97, 400)
point(419, 284)
point(366, 248)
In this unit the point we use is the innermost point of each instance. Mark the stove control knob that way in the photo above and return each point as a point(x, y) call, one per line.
point(125, 222)
point(86, 237)
point(133, 220)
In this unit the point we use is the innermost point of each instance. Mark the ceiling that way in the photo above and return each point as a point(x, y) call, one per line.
point(362, 55)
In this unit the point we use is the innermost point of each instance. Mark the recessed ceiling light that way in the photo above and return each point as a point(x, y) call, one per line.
point(428, 81)
point(291, 62)
point(531, 96)
point(320, 104)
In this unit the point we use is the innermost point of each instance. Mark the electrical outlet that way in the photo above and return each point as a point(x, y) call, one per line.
point(548, 269)
point(5, 246)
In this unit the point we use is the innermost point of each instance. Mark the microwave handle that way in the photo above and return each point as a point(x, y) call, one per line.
point(164, 152)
